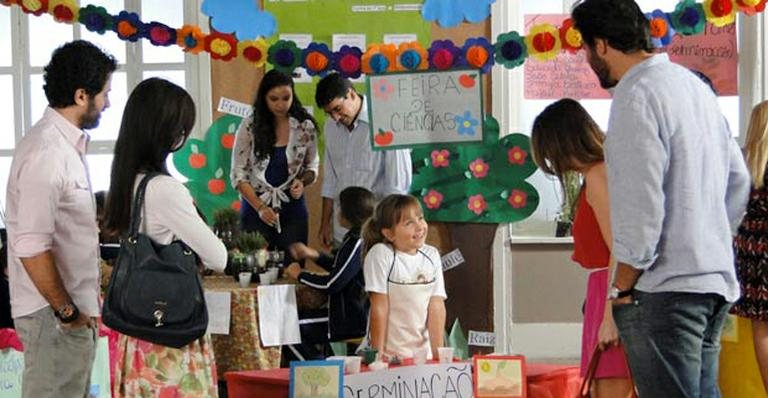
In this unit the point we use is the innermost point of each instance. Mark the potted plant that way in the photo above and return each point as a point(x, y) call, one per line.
point(571, 187)
point(225, 225)
point(251, 243)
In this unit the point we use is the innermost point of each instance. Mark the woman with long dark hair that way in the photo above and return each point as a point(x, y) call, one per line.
point(157, 120)
point(274, 158)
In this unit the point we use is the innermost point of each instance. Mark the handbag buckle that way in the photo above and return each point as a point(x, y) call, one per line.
point(158, 318)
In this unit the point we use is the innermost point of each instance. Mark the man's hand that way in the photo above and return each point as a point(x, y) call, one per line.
point(326, 235)
point(300, 251)
point(83, 320)
point(293, 271)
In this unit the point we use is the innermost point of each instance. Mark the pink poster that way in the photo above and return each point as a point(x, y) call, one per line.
point(713, 53)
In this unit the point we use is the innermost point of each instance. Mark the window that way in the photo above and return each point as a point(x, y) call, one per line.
point(26, 44)
point(516, 113)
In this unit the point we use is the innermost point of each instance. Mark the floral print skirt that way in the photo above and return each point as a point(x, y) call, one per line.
point(145, 370)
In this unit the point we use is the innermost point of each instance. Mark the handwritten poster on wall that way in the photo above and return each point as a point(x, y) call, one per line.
point(713, 53)
point(410, 109)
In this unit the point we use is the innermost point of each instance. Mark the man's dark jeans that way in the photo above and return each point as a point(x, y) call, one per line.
point(672, 342)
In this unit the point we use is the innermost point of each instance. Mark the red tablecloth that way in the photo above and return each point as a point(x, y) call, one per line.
point(544, 381)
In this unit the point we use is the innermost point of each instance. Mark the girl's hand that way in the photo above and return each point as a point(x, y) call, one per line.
point(268, 215)
point(300, 251)
point(293, 271)
point(608, 335)
point(297, 189)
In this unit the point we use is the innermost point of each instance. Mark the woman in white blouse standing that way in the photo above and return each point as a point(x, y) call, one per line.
point(157, 120)
point(274, 158)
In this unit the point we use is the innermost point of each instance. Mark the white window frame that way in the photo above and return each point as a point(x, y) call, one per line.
point(196, 67)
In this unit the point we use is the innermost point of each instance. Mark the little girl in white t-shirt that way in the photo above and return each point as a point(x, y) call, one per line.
point(404, 278)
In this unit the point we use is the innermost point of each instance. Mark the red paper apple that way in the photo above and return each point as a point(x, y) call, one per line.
point(467, 80)
point(217, 186)
point(228, 140)
point(383, 138)
point(196, 160)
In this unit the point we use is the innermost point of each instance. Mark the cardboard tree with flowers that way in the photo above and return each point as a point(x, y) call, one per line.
point(481, 182)
point(206, 164)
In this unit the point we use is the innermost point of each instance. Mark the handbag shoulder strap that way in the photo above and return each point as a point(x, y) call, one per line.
point(589, 377)
point(138, 204)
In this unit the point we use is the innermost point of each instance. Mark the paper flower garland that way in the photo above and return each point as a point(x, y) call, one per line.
point(570, 37)
point(128, 26)
point(751, 7)
point(688, 18)
point(160, 34)
point(720, 12)
point(317, 59)
point(34, 7)
point(65, 11)
point(191, 39)
point(347, 61)
point(543, 42)
point(443, 54)
point(221, 46)
point(95, 19)
point(285, 56)
point(511, 50)
point(412, 56)
point(478, 53)
point(379, 58)
point(254, 51)
point(661, 29)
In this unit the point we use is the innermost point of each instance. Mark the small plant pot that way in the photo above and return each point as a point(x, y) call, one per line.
point(562, 229)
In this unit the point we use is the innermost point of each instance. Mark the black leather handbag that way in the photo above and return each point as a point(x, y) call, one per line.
point(155, 292)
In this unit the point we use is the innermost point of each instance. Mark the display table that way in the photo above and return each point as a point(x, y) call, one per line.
point(543, 380)
point(241, 349)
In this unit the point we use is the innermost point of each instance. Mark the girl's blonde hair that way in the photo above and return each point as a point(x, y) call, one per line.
point(387, 214)
point(757, 144)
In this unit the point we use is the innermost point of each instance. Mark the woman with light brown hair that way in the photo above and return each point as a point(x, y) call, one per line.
point(750, 244)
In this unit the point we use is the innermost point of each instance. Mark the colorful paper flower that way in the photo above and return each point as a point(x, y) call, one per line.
point(479, 168)
point(661, 29)
point(382, 89)
point(517, 198)
point(221, 46)
point(379, 58)
point(511, 50)
point(720, 12)
point(478, 52)
point(570, 37)
point(516, 155)
point(191, 39)
point(65, 11)
point(34, 7)
point(443, 54)
point(317, 59)
point(347, 61)
point(751, 7)
point(159, 34)
point(433, 199)
point(284, 56)
point(254, 51)
point(688, 18)
point(477, 204)
point(466, 124)
point(440, 158)
point(412, 56)
point(128, 26)
point(543, 42)
point(95, 18)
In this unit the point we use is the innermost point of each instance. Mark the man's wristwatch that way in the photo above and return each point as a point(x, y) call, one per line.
point(67, 313)
point(614, 293)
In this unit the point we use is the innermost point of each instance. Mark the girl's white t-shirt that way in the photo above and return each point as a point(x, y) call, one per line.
point(421, 267)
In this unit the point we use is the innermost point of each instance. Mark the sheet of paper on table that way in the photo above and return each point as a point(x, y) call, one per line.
point(219, 307)
point(278, 315)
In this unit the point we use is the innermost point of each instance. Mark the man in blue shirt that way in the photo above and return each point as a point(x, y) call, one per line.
point(349, 159)
point(678, 186)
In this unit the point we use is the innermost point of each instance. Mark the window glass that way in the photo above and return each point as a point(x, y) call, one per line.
point(46, 35)
point(174, 76)
point(7, 125)
point(5, 169)
point(171, 13)
point(5, 36)
point(99, 169)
